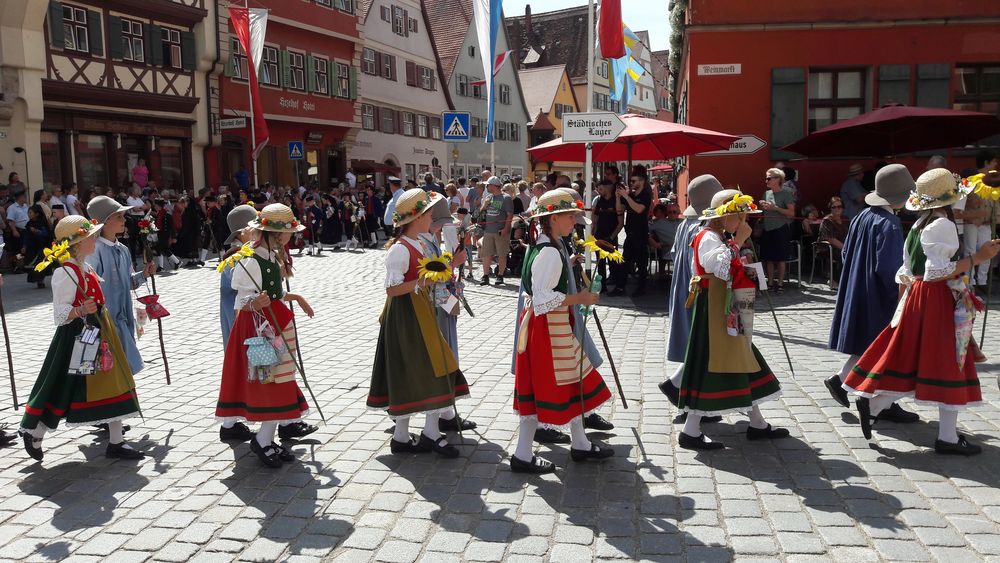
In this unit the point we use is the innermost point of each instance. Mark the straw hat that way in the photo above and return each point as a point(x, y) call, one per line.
point(560, 200)
point(855, 168)
point(729, 202)
point(237, 219)
point(893, 184)
point(936, 188)
point(102, 207)
point(700, 192)
point(76, 228)
point(276, 218)
point(412, 204)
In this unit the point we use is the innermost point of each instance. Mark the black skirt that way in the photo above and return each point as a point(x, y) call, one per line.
point(776, 245)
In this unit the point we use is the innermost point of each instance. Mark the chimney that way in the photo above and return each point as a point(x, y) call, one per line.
point(527, 20)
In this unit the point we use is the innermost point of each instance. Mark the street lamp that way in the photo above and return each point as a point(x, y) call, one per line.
point(27, 172)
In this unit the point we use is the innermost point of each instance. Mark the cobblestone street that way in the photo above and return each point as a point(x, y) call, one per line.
point(825, 493)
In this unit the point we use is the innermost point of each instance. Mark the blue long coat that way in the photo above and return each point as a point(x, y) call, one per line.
point(227, 305)
point(866, 298)
point(113, 263)
point(680, 316)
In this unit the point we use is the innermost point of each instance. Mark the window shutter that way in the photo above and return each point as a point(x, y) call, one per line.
point(893, 84)
point(187, 50)
point(286, 69)
point(231, 61)
point(416, 26)
point(352, 83)
point(331, 77)
point(434, 84)
point(393, 70)
point(399, 122)
point(96, 33)
point(56, 36)
point(788, 108)
point(406, 23)
point(154, 45)
point(115, 38)
point(377, 117)
point(933, 85)
point(310, 73)
point(411, 73)
point(378, 63)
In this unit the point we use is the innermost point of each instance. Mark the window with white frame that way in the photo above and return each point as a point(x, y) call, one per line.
point(477, 90)
point(411, 24)
point(76, 36)
point(385, 14)
point(368, 61)
point(475, 127)
point(505, 94)
point(515, 132)
point(343, 81)
point(388, 117)
point(327, 3)
point(171, 47)
point(436, 128)
point(463, 85)
point(426, 78)
point(322, 69)
point(368, 117)
point(422, 126)
point(132, 43)
point(388, 66)
point(500, 130)
point(398, 21)
point(407, 124)
point(269, 75)
point(296, 71)
point(240, 69)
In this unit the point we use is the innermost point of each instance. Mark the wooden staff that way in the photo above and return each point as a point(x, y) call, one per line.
point(607, 349)
point(148, 255)
point(767, 297)
point(6, 339)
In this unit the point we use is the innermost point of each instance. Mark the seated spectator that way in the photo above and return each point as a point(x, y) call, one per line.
point(663, 230)
point(833, 230)
point(811, 221)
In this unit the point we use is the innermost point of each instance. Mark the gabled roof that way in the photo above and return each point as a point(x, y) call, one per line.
point(542, 123)
point(540, 86)
point(442, 77)
point(363, 7)
point(449, 22)
point(559, 38)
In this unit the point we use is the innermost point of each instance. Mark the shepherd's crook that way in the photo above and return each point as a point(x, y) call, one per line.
point(767, 297)
point(148, 255)
point(6, 340)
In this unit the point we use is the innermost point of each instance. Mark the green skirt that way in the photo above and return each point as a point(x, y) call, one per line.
point(709, 393)
point(105, 396)
point(414, 369)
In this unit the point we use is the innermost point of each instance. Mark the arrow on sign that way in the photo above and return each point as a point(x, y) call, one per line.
point(595, 127)
point(743, 145)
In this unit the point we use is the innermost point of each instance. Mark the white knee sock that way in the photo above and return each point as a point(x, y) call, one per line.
point(266, 433)
point(526, 437)
point(229, 422)
point(848, 366)
point(202, 255)
point(159, 262)
point(757, 418)
point(38, 432)
point(431, 429)
point(450, 415)
point(879, 404)
point(578, 437)
point(115, 431)
point(677, 376)
point(402, 431)
point(947, 425)
point(692, 426)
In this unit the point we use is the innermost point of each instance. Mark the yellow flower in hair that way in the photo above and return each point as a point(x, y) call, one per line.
point(436, 269)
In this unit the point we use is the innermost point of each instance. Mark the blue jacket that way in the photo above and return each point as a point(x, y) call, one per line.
point(113, 263)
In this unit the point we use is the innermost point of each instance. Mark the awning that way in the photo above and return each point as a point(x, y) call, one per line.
point(662, 168)
point(372, 167)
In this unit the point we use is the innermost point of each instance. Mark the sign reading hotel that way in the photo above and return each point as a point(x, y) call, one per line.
point(595, 127)
point(714, 70)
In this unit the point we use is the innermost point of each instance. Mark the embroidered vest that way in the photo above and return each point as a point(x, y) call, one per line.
point(270, 277)
point(88, 282)
point(412, 271)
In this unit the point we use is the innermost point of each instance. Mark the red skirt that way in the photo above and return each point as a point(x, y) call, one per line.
point(253, 400)
point(918, 356)
point(535, 389)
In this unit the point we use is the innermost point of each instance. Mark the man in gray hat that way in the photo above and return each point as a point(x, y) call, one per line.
point(867, 295)
point(699, 194)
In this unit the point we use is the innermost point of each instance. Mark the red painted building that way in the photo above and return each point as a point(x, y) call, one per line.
point(780, 69)
point(308, 87)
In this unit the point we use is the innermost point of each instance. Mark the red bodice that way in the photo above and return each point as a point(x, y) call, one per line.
point(92, 285)
point(414, 267)
point(736, 269)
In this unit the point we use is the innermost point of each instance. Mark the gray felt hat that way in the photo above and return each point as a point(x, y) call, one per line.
point(102, 207)
point(893, 184)
point(700, 192)
point(237, 219)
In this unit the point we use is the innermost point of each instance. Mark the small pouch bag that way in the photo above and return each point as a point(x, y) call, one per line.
point(153, 307)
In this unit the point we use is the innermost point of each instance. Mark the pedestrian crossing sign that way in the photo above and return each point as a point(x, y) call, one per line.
point(296, 150)
point(456, 126)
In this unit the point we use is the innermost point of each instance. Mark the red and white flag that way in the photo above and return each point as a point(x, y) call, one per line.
point(250, 26)
point(497, 65)
point(610, 35)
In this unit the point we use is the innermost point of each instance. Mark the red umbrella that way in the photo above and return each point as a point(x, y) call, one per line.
point(642, 139)
point(897, 129)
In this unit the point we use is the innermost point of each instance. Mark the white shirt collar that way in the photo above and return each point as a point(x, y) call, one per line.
point(106, 241)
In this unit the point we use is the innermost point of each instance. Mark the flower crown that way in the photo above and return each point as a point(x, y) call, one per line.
point(563, 205)
point(739, 204)
point(420, 205)
point(275, 223)
point(922, 200)
point(83, 231)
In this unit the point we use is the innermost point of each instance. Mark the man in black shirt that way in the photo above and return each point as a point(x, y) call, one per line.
point(608, 219)
point(636, 202)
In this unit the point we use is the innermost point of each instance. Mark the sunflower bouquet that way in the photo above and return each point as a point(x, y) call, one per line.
point(58, 253)
point(604, 249)
point(245, 251)
point(986, 185)
point(436, 268)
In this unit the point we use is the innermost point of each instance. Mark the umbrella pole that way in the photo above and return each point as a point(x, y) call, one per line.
point(989, 274)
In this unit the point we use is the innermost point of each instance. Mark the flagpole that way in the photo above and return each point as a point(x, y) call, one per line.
point(588, 161)
point(253, 130)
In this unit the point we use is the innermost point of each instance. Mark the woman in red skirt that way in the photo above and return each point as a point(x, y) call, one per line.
point(926, 352)
point(555, 382)
point(264, 393)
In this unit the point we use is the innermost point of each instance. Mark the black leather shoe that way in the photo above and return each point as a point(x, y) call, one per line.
point(671, 391)
point(500, 281)
point(104, 427)
point(268, 455)
point(697, 443)
point(551, 436)
point(595, 452)
point(962, 447)
point(682, 418)
point(768, 433)
point(284, 454)
point(537, 466)
point(238, 432)
point(595, 421)
point(439, 446)
point(296, 430)
point(412, 447)
point(865, 416)
point(6, 439)
point(29, 446)
point(485, 280)
point(839, 394)
point(896, 413)
point(452, 425)
point(121, 451)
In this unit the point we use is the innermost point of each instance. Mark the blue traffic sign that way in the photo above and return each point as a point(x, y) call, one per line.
point(456, 126)
point(296, 150)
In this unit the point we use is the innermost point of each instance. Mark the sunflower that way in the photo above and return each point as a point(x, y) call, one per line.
point(58, 253)
point(981, 185)
point(245, 251)
point(599, 246)
point(436, 269)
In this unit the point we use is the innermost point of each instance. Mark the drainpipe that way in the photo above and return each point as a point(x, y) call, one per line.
point(208, 94)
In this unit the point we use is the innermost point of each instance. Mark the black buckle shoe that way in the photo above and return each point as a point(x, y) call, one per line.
point(238, 432)
point(537, 466)
point(439, 446)
point(697, 443)
point(896, 413)
point(595, 452)
point(267, 455)
point(551, 436)
point(671, 391)
point(29, 446)
point(445, 425)
point(104, 428)
point(412, 447)
point(296, 430)
point(865, 416)
point(485, 280)
point(768, 433)
point(682, 418)
point(121, 451)
point(500, 280)
point(284, 454)
point(962, 447)
point(595, 421)
point(839, 394)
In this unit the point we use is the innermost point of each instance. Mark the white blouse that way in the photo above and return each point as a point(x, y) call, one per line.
point(545, 273)
point(247, 278)
point(939, 240)
point(64, 282)
point(397, 260)
point(715, 256)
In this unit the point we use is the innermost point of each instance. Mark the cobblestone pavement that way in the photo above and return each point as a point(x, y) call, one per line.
point(822, 494)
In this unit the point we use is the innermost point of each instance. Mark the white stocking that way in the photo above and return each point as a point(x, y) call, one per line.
point(450, 415)
point(692, 426)
point(38, 432)
point(848, 366)
point(947, 425)
point(879, 404)
point(431, 429)
point(229, 422)
point(402, 430)
point(578, 437)
point(526, 437)
point(677, 376)
point(266, 433)
point(115, 432)
point(757, 418)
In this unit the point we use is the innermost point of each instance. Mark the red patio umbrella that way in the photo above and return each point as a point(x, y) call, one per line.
point(896, 130)
point(642, 139)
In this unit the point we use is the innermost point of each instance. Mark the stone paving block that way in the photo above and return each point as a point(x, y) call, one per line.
point(898, 550)
point(398, 552)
